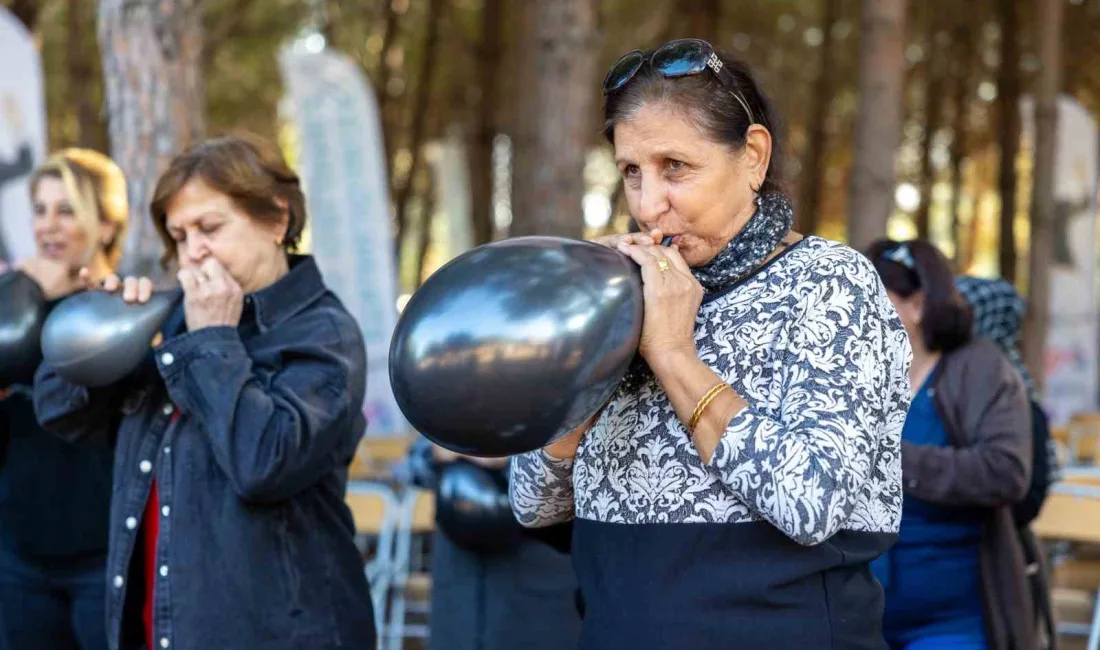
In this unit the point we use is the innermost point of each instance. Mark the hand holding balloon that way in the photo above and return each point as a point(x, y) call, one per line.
point(211, 297)
point(444, 456)
point(565, 448)
point(134, 289)
point(640, 238)
point(672, 298)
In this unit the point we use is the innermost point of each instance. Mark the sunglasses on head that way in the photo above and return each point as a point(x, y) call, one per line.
point(901, 254)
point(683, 57)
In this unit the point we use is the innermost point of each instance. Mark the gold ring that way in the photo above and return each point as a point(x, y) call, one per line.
point(662, 263)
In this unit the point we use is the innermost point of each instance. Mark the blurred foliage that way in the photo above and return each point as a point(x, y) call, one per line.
point(779, 38)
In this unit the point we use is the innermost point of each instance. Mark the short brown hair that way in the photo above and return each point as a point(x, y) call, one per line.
point(97, 192)
point(249, 170)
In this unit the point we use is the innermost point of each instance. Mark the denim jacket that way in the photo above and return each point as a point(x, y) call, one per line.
point(255, 546)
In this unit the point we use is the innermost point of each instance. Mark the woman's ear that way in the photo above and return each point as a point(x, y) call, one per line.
point(757, 153)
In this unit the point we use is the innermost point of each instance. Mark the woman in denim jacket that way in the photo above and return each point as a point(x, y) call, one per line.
point(228, 527)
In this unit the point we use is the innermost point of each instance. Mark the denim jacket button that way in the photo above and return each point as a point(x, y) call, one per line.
point(165, 510)
point(118, 582)
point(164, 571)
point(145, 467)
point(167, 409)
point(131, 523)
point(167, 358)
point(164, 643)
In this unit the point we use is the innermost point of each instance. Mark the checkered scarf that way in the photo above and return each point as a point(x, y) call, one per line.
point(998, 315)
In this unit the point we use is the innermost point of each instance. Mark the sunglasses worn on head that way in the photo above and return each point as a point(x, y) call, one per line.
point(683, 57)
point(900, 254)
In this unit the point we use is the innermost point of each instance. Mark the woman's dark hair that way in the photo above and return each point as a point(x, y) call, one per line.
point(917, 266)
point(246, 168)
point(711, 106)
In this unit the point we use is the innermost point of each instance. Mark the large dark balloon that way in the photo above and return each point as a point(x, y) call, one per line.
point(95, 339)
point(473, 511)
point(516, 343)
point(22, 312)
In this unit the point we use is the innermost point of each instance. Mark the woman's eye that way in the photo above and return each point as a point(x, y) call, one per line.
point(676, 165)
point(630, 171)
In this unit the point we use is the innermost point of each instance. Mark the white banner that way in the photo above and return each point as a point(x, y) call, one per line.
point(22, 134)
point(1071, 381)
point(342, 163)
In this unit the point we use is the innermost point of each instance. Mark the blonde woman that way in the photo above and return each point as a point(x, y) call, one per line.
point(54, 496)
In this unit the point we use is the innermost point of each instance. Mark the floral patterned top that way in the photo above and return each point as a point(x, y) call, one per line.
point(813, 344)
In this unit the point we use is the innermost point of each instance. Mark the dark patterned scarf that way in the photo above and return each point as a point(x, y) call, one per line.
point(749, 248)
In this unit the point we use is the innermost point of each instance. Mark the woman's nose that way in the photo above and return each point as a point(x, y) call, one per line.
point(653, 201)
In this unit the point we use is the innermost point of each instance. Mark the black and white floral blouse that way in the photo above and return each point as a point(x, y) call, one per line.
point(767, 545)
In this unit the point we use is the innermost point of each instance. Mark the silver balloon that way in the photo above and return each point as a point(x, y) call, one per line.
point(96, 339)
point(516, 343)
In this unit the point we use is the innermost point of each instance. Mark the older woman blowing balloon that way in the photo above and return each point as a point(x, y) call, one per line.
point(735, 488)
point(228, 526)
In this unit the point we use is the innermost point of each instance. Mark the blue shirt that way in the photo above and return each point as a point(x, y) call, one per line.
point(931, 576)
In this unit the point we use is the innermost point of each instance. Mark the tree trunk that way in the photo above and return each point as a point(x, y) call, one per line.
point(549, 184)
point(382, 80)
point(154, 94)
point(933, 101)
point(1009, 102)
point(878, 122)
point(83, 77)
point(963, 60)
point(486, 124)
point(813, 170)
point(427, 214)
point(1046, 133)
point(704, 19)
point(421, 106)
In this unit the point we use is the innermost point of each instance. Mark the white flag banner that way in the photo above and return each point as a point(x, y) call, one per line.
point(22, 134)
point(342, 163)
point(1070, 364)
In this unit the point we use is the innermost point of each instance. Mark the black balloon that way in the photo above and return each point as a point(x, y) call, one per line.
point(473, 511)
point(516, 343)
point(22, 312)
point(95, 339)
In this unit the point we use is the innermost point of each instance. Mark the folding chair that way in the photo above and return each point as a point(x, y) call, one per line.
point(376, 512)
point(1072, 514)
point(417, 517)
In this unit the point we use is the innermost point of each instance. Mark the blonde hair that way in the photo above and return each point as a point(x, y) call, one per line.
point(97, 192)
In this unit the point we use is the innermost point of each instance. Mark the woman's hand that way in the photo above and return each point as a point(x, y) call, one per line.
point(55, 278)
point(211, 297)
point(134, 289)
point(640, 238)
point(443, 456)
point(672, 298)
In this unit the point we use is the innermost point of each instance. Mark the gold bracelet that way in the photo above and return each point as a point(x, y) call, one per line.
point(701, 407)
